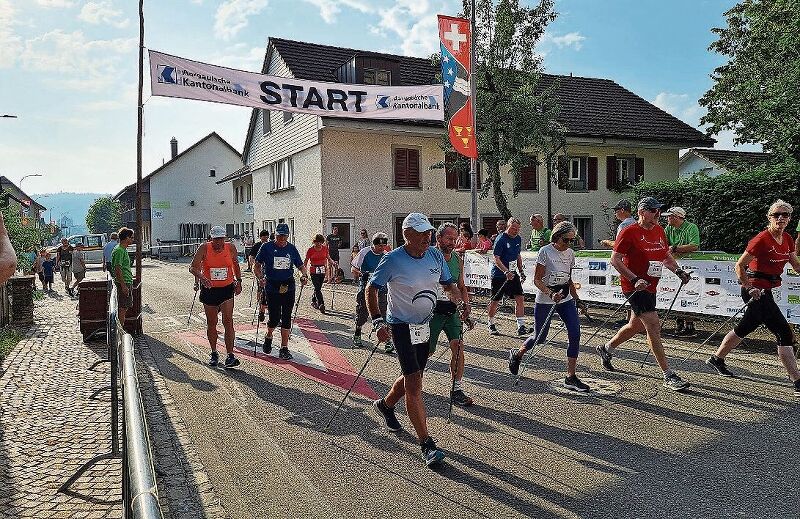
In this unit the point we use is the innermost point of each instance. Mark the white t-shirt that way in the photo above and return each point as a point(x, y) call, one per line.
point(557, 270)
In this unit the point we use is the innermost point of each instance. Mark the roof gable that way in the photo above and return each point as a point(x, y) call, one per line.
point(732, 160)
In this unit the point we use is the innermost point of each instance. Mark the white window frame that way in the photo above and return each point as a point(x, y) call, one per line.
point(574, 163)
point(281, 175)
point(628, 164)
point(582, 162)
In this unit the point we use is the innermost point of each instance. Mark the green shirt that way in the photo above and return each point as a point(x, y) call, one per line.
point(539, 239)
point(686, 234)
point(119, 256)
point(798, 226)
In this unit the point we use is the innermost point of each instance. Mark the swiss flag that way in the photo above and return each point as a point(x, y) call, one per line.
point(455, 44)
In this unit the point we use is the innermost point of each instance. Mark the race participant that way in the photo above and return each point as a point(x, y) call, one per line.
point(363, 265)
point(320, 260)
point(540, 235)
point(451, 324)
point(640, 253)
point(411, 273)
point(759, 271)
point(500, 227)
point(579, 242)
point(553, 279)
point(263, 238)
point(215, 267)
point(622, 212)
point(334, 243)
point(507, 248)
point(64, 262)
point(683, 237)
point(274, 270)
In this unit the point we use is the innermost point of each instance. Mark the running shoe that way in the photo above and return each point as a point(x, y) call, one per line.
point(431, 454)
point(387, 413)
point(314, 305)
point(493, 329)
point(513, 361)
point(719, 365)
point(575, 384)
point(605, 357)
point(674, 382)
point(231, 361)
point(261, 316)
point(459, 398)
point(522, 330)
point(357, 342)
point(388, 346)
point(797, 387)
point(322, 309)
point(284, 354)
point(214, 360)
point(267, 346)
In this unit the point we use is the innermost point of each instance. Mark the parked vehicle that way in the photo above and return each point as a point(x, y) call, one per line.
point(92, 245)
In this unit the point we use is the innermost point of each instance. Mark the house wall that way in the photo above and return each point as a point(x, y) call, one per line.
point(694, 164)
point(187, 179)
point(242, 210)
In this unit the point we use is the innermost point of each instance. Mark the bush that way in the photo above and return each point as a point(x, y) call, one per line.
point(731, 208)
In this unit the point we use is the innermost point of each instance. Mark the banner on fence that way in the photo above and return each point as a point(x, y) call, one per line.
point(713, 290)
point(171, 76)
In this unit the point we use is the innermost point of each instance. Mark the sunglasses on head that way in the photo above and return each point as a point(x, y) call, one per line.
point(781, 215)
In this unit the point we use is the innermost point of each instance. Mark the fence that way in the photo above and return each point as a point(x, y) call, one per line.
point(166, 249)
point(139, 490)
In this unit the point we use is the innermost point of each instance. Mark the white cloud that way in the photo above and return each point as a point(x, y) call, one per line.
point(329, 9)
point(55, 3)
point(415, 23)
point(572, 39)
point(232, 15)
point(103, 12)
point(10, 42)
point(240, 56)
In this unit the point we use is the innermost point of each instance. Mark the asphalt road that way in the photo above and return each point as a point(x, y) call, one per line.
point(725, 448)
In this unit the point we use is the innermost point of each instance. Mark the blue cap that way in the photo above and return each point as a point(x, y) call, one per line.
point(282, 229)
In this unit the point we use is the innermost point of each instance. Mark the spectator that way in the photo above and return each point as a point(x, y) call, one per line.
point(622, 212)
point(683, 237)
point(464, 240)
point(484, 243)
point(78, 265)
point(540, 235)
point(500, 227)
point(363, 240)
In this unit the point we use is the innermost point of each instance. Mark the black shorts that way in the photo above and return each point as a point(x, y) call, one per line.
point(765, 311)
point(642, 301)
point(279, 307)
point(412, 357)
point(216, 296)
point(512, 288)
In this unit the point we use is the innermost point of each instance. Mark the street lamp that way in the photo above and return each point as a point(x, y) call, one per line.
point(7, 116)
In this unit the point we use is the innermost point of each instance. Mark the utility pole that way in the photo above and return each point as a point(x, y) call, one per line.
point(473, 163)
point(139, 125)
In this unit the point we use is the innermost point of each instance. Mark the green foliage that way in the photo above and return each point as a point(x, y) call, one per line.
point(731, 208)
point(24, 238)
point(9, 337)
point(756, 92)
point(104, 216)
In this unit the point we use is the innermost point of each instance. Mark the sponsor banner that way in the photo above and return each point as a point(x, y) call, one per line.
point(455, 42)
point(713, 289)
point(172, 76)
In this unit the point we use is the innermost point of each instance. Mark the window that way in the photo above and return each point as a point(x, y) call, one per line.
point(457, 171)
point(625, 172)
point(490, 224)
point(94, 241)
point(576, 174)
point(583, 224)
point(249, 192)
point(287, 117)
point(281, 175)
point(266, 123)
point(528, 176)
point(406, 168)
point(291, 229)
point(377, 77)
point(212, 173)
point(439, 219)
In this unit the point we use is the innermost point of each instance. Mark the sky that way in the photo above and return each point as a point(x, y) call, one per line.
point(68, 68)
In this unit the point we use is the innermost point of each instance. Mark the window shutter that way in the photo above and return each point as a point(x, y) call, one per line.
point(413, 168)
point(528, 176)
point(562, 172)
point(639, 169)
point(265, 122)
point(400, 167)
point(611, 172)
point(592, 177)
point(450, 170)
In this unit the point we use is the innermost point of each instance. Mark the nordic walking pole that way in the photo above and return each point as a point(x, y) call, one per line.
point(339, 407)
point(252, 286)
point(731, 318)
point(486, 310)
point(666, 316)
point(544, 327)
point(297, 304)
point(196, 289)
point(603, 324)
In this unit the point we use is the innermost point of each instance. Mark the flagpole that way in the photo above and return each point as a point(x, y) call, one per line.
point(473, 163)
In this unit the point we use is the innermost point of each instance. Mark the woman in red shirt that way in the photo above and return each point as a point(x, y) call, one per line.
point(320, 258)
point(464, 241)
point(759, 271)
point(484, 243)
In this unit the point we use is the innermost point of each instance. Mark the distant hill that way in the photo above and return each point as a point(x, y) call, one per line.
point(74, 206)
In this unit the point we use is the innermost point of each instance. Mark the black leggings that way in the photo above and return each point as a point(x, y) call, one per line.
point(316, 280)
point(279, 307)
point(764, 311)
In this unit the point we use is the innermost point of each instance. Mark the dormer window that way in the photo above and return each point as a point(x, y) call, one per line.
point(377, 77)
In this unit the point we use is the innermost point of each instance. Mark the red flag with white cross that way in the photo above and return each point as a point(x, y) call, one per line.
point(455, 42)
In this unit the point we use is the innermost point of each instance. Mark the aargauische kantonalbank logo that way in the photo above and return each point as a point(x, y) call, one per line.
point(166, 74)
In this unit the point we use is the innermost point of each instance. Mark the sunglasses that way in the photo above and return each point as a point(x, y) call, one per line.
point(781, 215)
point(380, 241)
point(567, 240)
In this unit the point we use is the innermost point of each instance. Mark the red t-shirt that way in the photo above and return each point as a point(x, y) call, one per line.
point(641, 247)
point(318, 258)
point(770, 256)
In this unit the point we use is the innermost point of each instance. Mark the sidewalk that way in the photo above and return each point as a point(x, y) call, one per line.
point(50, 424)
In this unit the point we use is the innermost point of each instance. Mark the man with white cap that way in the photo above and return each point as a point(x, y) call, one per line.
point(362, 267)
point(216, 268)
point(411, 274)
point(683, 237)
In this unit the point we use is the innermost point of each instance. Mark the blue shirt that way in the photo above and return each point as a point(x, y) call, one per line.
point(277, 263)
point(108, 249)
point(412, 284)
point(366, 261)
point(48, 266)
point(508, 249)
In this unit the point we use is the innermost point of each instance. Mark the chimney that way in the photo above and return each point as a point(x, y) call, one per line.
point(173, 144)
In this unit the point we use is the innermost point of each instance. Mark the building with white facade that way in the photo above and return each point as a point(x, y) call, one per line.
point(711, 162)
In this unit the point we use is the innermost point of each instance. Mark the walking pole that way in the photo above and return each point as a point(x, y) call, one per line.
point(666, 316)
point(252, 286)
point(604, 323)
point(339, 407)
point(486, 310)
point(731, 318)
point(196, 289)
point(297, 304)
point(547, 322)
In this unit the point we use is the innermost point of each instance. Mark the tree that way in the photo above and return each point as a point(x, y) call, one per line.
point(757, 93)
point(24, 235)
point(104, 216)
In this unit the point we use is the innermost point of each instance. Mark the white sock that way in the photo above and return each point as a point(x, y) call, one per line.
point(491, 320)
point(786, 354)
point(520, 321)
point(457, 385)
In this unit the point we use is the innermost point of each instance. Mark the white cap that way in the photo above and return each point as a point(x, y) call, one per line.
point(677, 211)
point(218, 231)
point(417, 221)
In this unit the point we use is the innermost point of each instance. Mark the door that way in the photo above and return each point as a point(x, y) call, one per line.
point(584, 226)
point(345, 228)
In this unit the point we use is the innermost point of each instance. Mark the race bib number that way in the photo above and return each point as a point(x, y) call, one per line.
point(776, 294)
point(219, 274)
point(655, 268)
point(319, 270)
point(281, 263)
point(420, 333)
point(558, 278)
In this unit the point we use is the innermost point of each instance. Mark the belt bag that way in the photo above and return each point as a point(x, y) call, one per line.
point(564, 289)
point(761, 275)
point(445, 308)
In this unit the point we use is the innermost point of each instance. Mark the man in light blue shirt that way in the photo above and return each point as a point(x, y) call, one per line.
point(412, 274)
point(107, 250)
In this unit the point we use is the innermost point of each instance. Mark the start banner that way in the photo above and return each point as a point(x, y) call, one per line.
point(713, 289)
point(171, 76)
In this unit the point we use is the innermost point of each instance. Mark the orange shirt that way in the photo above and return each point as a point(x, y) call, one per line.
point(218, 266)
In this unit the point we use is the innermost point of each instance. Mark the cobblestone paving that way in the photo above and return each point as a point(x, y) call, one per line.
point(51, 422)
